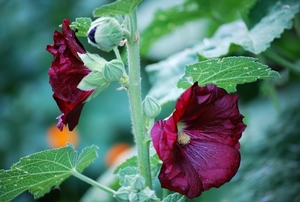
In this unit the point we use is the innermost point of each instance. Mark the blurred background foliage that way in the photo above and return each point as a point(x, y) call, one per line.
point(270, 145)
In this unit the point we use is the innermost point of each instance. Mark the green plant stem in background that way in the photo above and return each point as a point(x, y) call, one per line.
point(92, 182)
point(280, 60)
point(135, 100)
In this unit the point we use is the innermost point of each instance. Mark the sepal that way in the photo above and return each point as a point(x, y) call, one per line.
point(92, 61)
point(113, 70)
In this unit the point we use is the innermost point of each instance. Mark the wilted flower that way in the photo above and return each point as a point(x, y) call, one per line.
point(66, 72)
point(199, 142)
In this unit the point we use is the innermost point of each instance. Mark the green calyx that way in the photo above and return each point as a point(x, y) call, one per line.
point(95, 79)
point(113, 70)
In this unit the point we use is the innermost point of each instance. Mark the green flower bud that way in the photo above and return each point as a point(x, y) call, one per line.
point(105, 33)
point(128, 180)
point(133, 197)
point(122, 194)
point(138, 182)
point(151, 107)
point(113, 70)
point(147, 195)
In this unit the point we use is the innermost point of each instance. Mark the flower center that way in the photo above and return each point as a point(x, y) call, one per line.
point(183, 138)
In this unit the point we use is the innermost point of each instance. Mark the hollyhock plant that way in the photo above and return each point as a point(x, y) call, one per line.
point(66, 72)
point(199, 142)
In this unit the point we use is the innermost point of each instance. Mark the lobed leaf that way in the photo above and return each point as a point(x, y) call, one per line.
point(81, 26)
point(119, 7)
point(41, 171)
point(226, 73)
point(133, 161)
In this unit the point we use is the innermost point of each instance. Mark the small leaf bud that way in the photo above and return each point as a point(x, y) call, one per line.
point(122, 194)
point(113, 70)
point(147, 195)
point(128, 180)
point(151, 107)
point(105, 33)
point(133, 197)
point(138, 182)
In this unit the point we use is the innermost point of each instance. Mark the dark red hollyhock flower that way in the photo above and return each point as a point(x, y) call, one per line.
point(66, 71)
point(199, 142)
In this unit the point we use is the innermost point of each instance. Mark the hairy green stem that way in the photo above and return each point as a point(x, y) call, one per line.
point(135, 99)
point(92, 182)
point(280, 60)
point(117, 53)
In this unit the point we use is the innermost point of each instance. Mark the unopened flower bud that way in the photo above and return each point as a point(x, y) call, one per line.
point(147, 195)
point(105, 33)
point(133, 197)
point(128, 180)
point(151, 107)
point(138, 182)
point(122, 194)
point(113, 70)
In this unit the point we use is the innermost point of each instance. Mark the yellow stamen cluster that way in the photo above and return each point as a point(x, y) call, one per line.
point(183, 138)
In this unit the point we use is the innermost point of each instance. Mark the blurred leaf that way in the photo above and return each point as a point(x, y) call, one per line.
point(174, 197)
point(41, 171)
point(119, 7)
point(257, 39)
point(133, 161)
point(165, 21)
point(226, 73)
point(164, 76)
point(271, 26)
point(81, 26)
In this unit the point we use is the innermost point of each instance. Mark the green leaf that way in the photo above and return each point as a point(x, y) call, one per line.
point(119, 7)
point(133, 161)
point(226, 73)
point(271, 26)
point(167, 73)
point(174, 197)
point(41, 171)
point(81, 26)
point(257, 39)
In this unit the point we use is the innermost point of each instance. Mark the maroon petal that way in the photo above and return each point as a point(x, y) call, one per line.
point(215, 163)
point(66, 72)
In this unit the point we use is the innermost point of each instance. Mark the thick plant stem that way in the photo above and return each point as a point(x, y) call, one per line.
point(135, 99)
